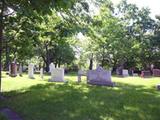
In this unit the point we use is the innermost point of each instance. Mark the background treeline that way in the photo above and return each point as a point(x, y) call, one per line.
point(112, 36)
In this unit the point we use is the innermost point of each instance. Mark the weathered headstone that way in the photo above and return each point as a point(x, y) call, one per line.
point(57, 75)
point(135, 74)
point(99, 77)
point(20, 70)
point(156, 72)
point(13, 69)
point(81, 73)
point(31, 71)
point(41, 73)
point(145, 73)
point(125, 73)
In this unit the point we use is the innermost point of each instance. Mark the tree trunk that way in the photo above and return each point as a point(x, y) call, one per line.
point(102, 62)
point(1, 39)
point(59, 63)
point(56, 65)
point(47, 58)
point(91, 64)
point(47, 66)
point(7, 56)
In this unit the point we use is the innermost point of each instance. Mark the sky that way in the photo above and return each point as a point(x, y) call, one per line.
point(154, 5)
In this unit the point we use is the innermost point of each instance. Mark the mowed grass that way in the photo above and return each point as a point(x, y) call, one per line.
point(133, 98)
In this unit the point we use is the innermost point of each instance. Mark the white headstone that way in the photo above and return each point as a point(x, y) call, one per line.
point(51, 67)
point(31, 71)
point(99, 77)
point(125, 72)
point(57, 75)
point(41, 73)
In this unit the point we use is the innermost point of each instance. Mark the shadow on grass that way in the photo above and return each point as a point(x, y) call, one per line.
point(84, 102)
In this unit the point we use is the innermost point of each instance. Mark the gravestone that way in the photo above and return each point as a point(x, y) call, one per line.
point(145, 74)
point(57, 75)
point(13, 69)
point(20, 70)
point(99, 77)
point(51, 67)
point(125, 73)
point(41, 73)
point(156, 72)
point(81, 73)
point(31, 71)
point(135, 74)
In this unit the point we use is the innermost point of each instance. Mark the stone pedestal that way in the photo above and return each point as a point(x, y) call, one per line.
point(31, 71)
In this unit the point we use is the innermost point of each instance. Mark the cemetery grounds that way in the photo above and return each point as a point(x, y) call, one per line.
point(133, 98)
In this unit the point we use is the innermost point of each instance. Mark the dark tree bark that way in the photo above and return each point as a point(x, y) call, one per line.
point(1, 39)
point(91, 62)
point(59, 63)
point(47, 66)
point(102, 62)
point(7, 56)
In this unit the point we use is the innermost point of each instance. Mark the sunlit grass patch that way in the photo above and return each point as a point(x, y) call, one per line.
point(133, 98)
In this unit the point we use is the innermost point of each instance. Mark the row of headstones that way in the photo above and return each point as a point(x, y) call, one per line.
point(155, 73)
point(57, 74)
point(95, 77)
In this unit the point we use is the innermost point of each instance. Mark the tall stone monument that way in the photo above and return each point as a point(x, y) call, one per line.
point(31, 71)
point(20, 70)
point(41, 73)
point(51, 67)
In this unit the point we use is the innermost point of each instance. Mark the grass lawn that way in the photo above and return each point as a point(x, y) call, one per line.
point(133, 98)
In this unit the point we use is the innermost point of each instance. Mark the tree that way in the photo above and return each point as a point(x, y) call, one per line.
point(41, 6)
point(139, 27)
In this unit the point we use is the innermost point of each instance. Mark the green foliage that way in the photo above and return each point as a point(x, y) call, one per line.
point(123, 35)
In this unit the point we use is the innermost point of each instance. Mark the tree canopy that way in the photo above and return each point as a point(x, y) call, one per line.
point(123, 35)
